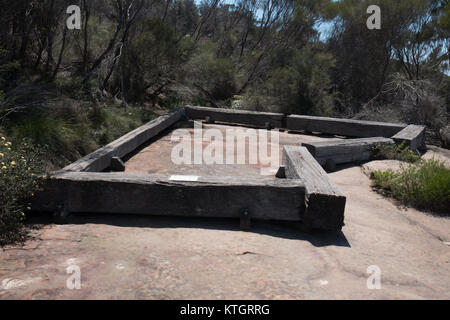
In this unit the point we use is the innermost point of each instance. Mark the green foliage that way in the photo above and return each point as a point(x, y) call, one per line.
point(408, 42)
point(6, 68)
point(215, 77)
point(69, 133)
point(400, 152)
point(47, 130)
point(425, 185)
point(303, 86)
point(71, 86)
point(109, 124)
point(19, 166)
point(444, 20)
point(153, 60)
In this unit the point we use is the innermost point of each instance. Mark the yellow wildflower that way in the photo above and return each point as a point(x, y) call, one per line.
point(3, 138)
point(4, 167)
point(1, 154)
point(13, 163)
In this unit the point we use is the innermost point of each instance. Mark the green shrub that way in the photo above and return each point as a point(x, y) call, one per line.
point(19, 166)
point(153, 60)
point(425, 185)
point(112, 122)
point(6, 68)
point(46, 130)
point(395, 152)
point(214, 77)
point(68, 133)
point(301, 86)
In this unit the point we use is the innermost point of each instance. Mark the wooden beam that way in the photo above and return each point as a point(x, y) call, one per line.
point(345, 150)
point(324, 202)
point(412, 136)
point(129, 193)
point(250, 118)
point(343, 127)
point(100, 159)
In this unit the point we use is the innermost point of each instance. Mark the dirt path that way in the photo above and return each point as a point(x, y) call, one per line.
point(162, 258)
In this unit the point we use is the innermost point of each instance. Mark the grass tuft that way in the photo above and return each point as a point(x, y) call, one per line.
point(424, 185)
point(399, 152)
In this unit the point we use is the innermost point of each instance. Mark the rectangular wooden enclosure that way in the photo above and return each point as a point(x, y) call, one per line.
point(152, 185)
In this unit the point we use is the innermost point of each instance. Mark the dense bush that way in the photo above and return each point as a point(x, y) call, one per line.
point(270, 53)
point(71, 129)
point(153, 61)
point(425, 185)
point(19, 166)
point(214, 78)
point(302, 86)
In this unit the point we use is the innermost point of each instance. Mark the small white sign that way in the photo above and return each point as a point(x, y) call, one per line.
point(184, 178)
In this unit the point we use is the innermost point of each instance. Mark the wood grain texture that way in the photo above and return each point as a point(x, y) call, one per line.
point(343, 127)
point(324, 202)
point(413, 136)
point(345, 151)
point(129, 193)
point(250, 118)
